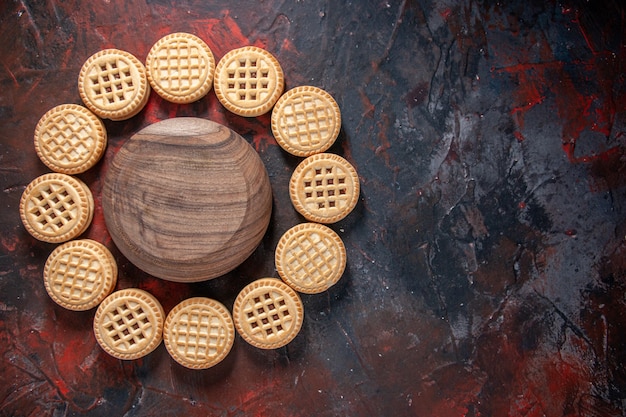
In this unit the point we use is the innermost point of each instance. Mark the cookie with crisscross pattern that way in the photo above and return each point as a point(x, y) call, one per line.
point(56, 207)
point(268, 313)
point(79, 274)
point(199, 333)
point(324, 188)
point(180, 67)
point(306, 120)
point(70, 139)
point(248, 81)
point(129, 324)
point(113, 84)
point(310, 257)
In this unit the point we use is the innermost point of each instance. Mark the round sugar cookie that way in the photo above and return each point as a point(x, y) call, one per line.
point(129, 324)
point(113, 84)
point(268, 313)
point(180, 67)
point(199, 333)
point(70, 139)
point(248, 81)
point(324, 188)
point(306, 120)
point(79, 274)
point(55, 207)
point(310, 258)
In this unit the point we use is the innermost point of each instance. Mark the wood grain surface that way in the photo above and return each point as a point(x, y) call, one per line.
point(187, 199)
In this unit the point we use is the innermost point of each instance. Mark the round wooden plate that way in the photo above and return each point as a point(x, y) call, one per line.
point(187, 199)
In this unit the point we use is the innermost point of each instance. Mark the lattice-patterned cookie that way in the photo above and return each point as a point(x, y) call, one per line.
point(199, 333)
point(70, 139)
point(306, 120)
point(113, 84)
point(56, 207)
point(248, 81)
point(268, 313)
point(324, 188)
point(310, 257)
point(79, 274)
point(129, 324)
point(180, 68)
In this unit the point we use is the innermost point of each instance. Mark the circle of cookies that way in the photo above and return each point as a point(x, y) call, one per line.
point(180, 67)
point(70, 139)
point(199, 333)
point(310, 257)
point(306, 120)
point(268, 313)
point(79, 274)
point(129, 324)
point(324, 188)
point(248, 81)
point(56, 207)
point(113, 84)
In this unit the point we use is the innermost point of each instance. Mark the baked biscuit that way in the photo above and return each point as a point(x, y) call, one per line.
point(180, 68)
point(248, 81)
point(129, 324)
point(79, 274)
point(268, 313)
point(324, 188)
point(70, 139)
point(306, 120)
point(310, 257)
point(113, 84)
point(56, 207)
point(199, 333)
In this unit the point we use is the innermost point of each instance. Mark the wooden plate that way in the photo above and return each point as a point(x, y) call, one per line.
point(187, 199)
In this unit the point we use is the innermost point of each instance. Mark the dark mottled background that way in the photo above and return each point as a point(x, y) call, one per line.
point(486, 258)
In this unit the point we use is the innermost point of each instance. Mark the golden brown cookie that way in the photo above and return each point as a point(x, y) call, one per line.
point(70, 139)
point(79, 274)
point(199, 333)
point(310, 257)
point(56, 207)
point(180, 68)
point(129, 324)
point(113, 84)
point(268, 313)
point(306, 120)
point(324, 188)
point(248, 81)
